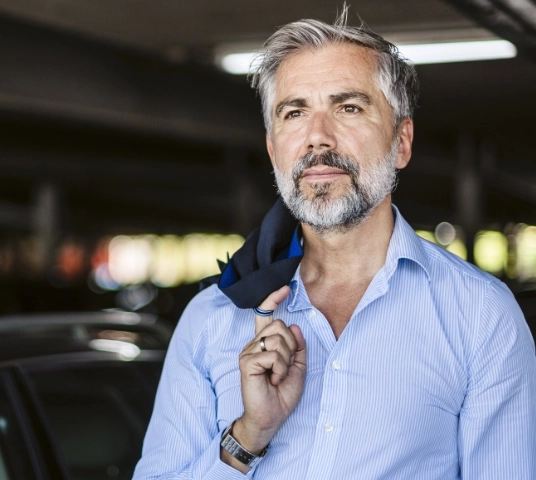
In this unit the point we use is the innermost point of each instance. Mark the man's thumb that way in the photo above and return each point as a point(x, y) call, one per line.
point(300, 357)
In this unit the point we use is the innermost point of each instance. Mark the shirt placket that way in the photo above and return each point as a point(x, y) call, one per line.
point(331, 414)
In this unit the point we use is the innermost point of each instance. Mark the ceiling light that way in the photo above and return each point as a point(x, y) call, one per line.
point(238, 63)
point(241, 63)
point(458, 51)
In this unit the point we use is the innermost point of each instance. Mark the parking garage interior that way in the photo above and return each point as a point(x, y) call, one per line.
point(130, 160)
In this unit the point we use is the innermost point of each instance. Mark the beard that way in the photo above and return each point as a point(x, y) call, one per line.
point(326, 212)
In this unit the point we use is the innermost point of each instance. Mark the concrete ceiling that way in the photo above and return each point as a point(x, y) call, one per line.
point(161, 26)
point(64, 66)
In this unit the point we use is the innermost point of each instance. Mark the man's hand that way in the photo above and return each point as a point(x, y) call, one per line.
point(272, 380)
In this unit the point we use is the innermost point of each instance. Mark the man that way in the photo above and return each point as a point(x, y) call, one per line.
point(390, 358)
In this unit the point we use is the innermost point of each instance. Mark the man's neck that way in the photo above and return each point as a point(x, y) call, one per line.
point(357, 253)
point(337, 269)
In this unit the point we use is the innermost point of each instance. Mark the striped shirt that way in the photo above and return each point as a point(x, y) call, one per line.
point(433, 378)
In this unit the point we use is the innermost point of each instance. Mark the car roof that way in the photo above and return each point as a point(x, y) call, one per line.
point(122, 334)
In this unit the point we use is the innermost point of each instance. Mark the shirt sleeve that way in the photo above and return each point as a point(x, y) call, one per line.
point(182, 440)
point(497, 426)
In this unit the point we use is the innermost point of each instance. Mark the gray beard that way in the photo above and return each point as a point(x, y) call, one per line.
point(327, 214)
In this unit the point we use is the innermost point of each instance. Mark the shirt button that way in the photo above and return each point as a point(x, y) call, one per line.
point(328, 427)
point(312, 313)
point(336, 365)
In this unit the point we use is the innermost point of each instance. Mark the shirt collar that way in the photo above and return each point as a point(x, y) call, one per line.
point(404, 244)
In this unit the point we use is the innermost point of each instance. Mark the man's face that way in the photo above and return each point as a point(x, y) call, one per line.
point(333, 144)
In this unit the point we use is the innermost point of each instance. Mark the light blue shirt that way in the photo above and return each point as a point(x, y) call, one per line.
point(434, 378)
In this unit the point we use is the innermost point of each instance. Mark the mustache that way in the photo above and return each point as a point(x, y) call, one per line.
point(329, 158)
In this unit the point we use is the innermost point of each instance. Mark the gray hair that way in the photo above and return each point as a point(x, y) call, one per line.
point(396, 76)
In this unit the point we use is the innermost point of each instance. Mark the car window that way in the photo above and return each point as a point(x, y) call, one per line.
point(98, 415)
point(3, 467)
point(14, 457)
point(3, 470)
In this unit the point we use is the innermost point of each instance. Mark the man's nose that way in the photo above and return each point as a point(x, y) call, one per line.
point(320, 135)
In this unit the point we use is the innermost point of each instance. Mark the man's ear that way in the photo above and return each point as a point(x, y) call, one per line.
point(270, 148)
point(405, 141)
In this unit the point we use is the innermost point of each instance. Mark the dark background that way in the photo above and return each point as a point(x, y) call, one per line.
point(114, 120)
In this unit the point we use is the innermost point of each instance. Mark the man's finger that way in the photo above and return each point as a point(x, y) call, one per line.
point(270, 303)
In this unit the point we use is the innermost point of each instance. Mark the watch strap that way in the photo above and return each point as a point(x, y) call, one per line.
point(229, 443)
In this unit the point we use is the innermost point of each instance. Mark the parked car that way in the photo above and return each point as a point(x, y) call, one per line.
point(76, 393)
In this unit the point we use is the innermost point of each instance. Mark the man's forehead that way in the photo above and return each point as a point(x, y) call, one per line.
point(343, 50)
point(338, 68)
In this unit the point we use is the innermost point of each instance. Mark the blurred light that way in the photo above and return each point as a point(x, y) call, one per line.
point(526, 253)
point(457, 247)
point(103, 279)
point(511, 261)
point(127, 351)
point(426, 235)
point(127, 318)
point(130, 259)
point(119, 335)
point(200, 257)
point(201, 252)
point(458, 51)
point(445, 233)
point(240, 63)
point(491, 251)
point(71, 260)
point(136, 296)
point(168, 262)
point(100, 254)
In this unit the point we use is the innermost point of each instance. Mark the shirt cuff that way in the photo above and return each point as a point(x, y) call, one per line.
point(220, 469)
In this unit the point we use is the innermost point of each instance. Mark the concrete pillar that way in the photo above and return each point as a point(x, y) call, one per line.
point(468, 191)
point(46, 223)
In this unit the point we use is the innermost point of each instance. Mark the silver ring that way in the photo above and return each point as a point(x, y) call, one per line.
point(263, 313)
point(263, 345)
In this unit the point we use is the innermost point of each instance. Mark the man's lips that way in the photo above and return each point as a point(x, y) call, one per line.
point(322, 173)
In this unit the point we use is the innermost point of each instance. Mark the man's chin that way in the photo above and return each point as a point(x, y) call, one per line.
point(324, 192)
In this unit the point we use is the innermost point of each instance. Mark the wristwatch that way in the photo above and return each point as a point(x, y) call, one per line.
point(239, 452)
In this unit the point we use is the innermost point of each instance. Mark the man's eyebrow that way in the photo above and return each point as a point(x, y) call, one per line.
point(344, 96)
point(290, 102)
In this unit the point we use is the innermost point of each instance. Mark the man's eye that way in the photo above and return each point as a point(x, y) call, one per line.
point(293, 114)
point(350, 109)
